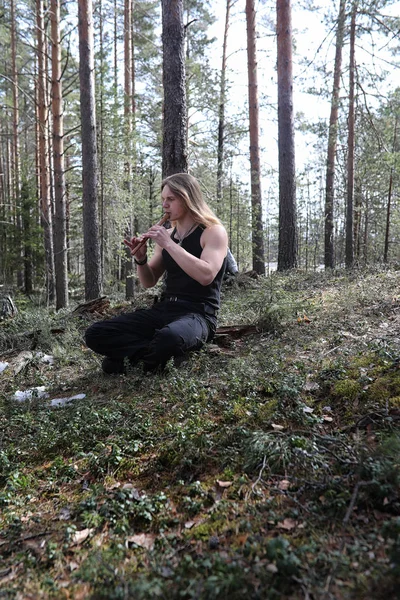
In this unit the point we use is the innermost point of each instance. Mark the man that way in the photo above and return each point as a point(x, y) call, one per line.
point(192, 256)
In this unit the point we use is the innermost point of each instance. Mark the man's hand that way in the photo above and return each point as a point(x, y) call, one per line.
point(137, 246)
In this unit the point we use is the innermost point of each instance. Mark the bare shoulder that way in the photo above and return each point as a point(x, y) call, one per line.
point(215, 234)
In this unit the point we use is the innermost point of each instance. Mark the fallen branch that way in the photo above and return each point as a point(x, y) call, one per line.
point(98, 305)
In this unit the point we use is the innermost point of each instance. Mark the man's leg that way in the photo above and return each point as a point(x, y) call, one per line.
point(124, 336)
point(184, 334)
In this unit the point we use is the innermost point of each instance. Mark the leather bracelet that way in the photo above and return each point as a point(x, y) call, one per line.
point(140, 263)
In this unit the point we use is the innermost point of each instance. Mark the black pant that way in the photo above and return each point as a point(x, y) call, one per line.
point(154, 335)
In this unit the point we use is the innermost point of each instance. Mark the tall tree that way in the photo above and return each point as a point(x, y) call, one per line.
point(389, 199)
point(287, 253)
point(256, 196)
point(332, 140)
point(174, 147)
point(43, 150)
point(60, 219)
point(221, 108)
point(128, 115)
point(93, 275)
point(16, 146)
point(349, 249)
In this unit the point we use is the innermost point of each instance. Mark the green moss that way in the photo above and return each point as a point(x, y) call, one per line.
point(385, 387)
point(266, 410)
point(364, 361)
point(205, 530)
point(379, 390)
point(395, 402)
point(239, 411)
point(346, 389)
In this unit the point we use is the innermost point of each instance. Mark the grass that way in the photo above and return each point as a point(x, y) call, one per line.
point(266, 468)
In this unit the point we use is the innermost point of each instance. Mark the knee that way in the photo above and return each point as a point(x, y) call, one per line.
point(93, 335)
point(168, 340)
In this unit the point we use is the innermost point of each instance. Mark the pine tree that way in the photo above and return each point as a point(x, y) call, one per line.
point(287, 255)
point(93, 276)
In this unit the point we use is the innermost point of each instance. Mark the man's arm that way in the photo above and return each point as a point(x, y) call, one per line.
point(214, 241)
point(148, 272)
point(151, 271)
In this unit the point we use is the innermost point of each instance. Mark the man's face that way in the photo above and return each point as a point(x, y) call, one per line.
point(172, 204)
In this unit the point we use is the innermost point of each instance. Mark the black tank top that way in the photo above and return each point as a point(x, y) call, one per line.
point(181, 285)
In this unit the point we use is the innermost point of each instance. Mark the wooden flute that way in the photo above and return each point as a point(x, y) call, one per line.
point(163, 220)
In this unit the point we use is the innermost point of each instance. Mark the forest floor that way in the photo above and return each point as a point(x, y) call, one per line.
point(265, 467)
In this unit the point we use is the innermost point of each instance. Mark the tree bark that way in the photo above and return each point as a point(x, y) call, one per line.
point(60, 227)
point(221, 110)
point(332, 141)
point(93, 276)
point(128, 116)
point(349, 247)
point(256, 196)
point(287, 252)
point(389, 200)
point(174, 147)
point(16, 145)
point(43, 151)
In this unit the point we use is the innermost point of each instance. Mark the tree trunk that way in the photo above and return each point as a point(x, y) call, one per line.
point(115, 41)
point(389, 201)
point(349, 249)
point(93, 276)
point(366, 230)
point(221, 111)
point(16, 146)
point(357, 214)
point(256, 197)
point(60, 227)
point(332, 140)
point(43, 151)
point(128, 115)
point(174, 147)
point(287, 252)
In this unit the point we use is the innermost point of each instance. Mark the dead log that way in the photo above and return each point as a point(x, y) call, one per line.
point(97, 306)
point(237, 331)
point(224, 336)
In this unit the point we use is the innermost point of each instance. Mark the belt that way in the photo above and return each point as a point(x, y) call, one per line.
point(199, 306)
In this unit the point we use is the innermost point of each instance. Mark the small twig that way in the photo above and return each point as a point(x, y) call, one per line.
point(264, 463)
point(31, 536)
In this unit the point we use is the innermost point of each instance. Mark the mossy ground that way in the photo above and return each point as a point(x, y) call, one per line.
point(267, 468)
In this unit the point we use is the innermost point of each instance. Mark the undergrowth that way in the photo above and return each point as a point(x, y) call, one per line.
point(266, 467)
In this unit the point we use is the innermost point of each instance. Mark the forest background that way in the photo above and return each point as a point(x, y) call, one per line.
point(267, 465)
point(129, 128)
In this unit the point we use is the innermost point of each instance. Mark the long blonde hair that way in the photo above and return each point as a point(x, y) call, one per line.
point(187, 188)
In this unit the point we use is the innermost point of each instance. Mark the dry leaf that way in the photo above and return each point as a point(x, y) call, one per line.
point(272, 568)
point(287, 524)
point(224, 484)
point(22, 360)
point(311, 386)
point(81, 536)
point(7, 575)
point(242, 539)
point(277, 427)
point(196, 521)
point(144, 540)
point(284, 485)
